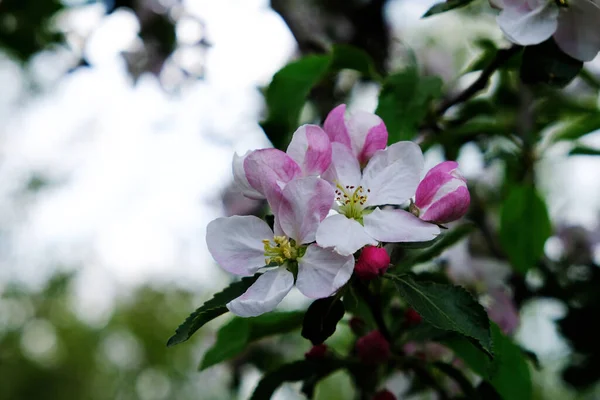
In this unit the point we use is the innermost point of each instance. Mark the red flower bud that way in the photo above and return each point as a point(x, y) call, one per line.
point(412, 317)
point(373, 262)
point(384, 395)
point(316, 352)
point(373, 348)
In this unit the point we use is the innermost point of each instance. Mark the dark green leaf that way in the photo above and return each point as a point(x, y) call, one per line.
point(287, 94)
point(349, 57)
point(321, 319)
point(508, 372)
point(447, 307)
point(234, 337)
point(210, 310)
point(404, 102)
point(445, 241)
point(296, 371)
point(524, 227)
point(580, 150)
point(579, 127)
point(546, 63)
point(446, 6)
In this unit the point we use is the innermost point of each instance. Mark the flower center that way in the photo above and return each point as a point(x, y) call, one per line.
point(280, 250)
point(351, 201)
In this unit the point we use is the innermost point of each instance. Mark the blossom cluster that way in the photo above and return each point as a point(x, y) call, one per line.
point(335, 193)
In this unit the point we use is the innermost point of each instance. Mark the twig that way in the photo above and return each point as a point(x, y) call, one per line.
point(502, 56)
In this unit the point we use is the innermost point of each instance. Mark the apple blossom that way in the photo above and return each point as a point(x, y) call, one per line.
point(442, 196)
point(573, 24)
point(390, 177)
point(263, 173)
point(242, 245)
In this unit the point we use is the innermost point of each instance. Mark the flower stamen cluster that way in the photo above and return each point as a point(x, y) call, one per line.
point(284, 249)
point(351, 200)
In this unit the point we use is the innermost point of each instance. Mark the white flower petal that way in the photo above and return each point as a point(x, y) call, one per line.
point(321, 272)
point(236, 243)
point(304, 203)
point(392, 175)
point(526, 25)
point(344, 168)
point(577, 33)
point(398, 226)
point(264, 294)
point(345, 235)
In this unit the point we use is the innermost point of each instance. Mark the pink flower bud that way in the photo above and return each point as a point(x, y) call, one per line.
point(384, 395)
point(357, 326)
point(373, 262)
point(316, 352)
point(442, 196)
point(373, 348)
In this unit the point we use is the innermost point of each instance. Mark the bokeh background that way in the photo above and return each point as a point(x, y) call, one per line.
point(118, 122)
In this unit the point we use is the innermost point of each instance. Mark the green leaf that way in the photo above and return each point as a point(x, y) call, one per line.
point(293, 372)
point(210, 310)
point(578, 127)
point(445, 241)
point(546, 63)
point(446, 6)
point(447, 307)
point(321, 319)
point(508, 372)
point(404, 102)
point(287, 94)
point(234, 337)
point(524, 227)
point(349, 57)
point(580, 150)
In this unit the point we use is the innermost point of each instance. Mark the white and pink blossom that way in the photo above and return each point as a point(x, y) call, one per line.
point(390, 177)
point(442, 196)
point(243, 245)
point(573, 24)
point(263, 173)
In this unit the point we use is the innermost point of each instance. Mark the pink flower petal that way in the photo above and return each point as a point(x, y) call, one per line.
point(239, 178)
point(236, 243)
point(268, 170)
point(344, 235)
point(264, 294)
point(367, 134)
point(433, 181)
point(335, 126)
point(450, 207)
point(311, 149)
point(322, 272)
point(392, 175)
point(305, 202)
point(398, 226)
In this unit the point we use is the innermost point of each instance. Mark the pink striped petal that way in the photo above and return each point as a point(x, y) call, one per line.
point(450, 207)
point(336, 128)
point(305, 202)
point(344, 168)
point(268, 170)
point(367, 135)
point(578, 34)
point(311, 149)
point(398, 226)
point(433, 181)
point(264, 294)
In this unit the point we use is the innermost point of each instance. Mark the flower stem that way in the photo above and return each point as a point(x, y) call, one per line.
point(374, 304)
